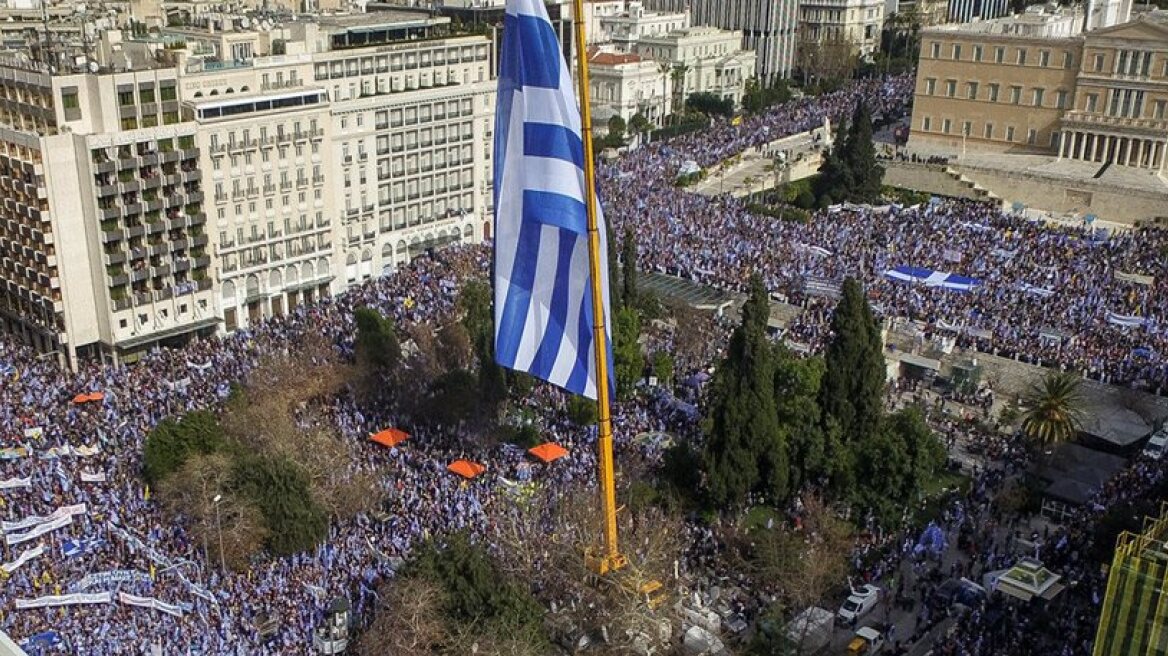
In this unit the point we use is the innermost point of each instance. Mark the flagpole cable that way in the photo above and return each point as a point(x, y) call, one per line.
point(611, 558)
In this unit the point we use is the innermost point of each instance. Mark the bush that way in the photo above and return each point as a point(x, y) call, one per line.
point(281, 490)
point(690, 179)
point(454, 397)
point(581, 410)
point(171, 443)
point(681, 128)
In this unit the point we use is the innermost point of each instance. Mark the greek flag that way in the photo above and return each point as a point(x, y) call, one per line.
point(543, 303)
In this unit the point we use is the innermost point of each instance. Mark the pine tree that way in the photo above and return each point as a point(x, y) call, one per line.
point(746, 450)
point(867, 176)
point(850, 396)
point(629, 269)
point(835, 176)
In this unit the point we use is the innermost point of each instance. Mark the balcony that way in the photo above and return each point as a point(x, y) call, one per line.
point(111, 236)
point(119, 280)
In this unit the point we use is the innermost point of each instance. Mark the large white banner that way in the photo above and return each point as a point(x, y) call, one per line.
point(38, 530)
point(150, 602)
point(64, 600)
point(92, 477)
point(14, 483)
point(24, 557)
point(113, 577)
point(63, 511)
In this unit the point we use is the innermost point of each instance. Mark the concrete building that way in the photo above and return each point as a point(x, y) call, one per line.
point(626, 85)
point(634, 23)
point(857, 22)
point(770, 28)
point(1135, 608)
point(705, 59)
point(965, 11)
point(925, 13)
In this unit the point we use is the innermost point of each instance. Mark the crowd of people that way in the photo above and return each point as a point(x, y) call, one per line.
point(71, 466)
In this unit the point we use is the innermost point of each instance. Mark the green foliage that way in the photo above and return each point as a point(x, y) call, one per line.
point(746, 450)
point(893, 466)
point(616, 127)
point(640, 124)
point(690, 179)
point(681, 468)
point(691, 125)
point(851, 393)
point(376, 347)
point(581, 410)
point(454, 397)
point(629, 270)
point(525, 436)
point(797, 382)
point(171, 443)
point(281, 491)
point(663, 368)
point(860, 156)
point(628, 360)
point(1054, 408)
point(476, 593)
point(905, 196)
point(475, 306)
point(782, 212)
point(758, 98)
point(710, 105)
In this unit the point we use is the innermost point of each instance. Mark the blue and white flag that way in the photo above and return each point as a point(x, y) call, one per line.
point(543, 302)
point(76, 547)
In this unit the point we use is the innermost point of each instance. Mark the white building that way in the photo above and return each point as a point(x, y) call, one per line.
point(710, 60)
point(769, 28)
point(625, 84)
point(858, 22)
point(634, 23)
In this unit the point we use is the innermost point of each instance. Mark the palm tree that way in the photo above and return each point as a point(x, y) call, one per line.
point(664, 68)
point(1054, 409)
point(678, 74)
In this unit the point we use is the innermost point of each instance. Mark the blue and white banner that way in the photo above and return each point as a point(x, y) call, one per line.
point(63, 511)
point(930, 278)
point(15, 483)
point(39, 643)
point(13, 539)
point(72, 548)
point(543, 284)
point(24, 557)
point(92, 477)
point(150, 602)
point(1036, 290)
point(49, 601)
point(1126, 320)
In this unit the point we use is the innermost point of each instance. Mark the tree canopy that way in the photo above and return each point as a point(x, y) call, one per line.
point(1054, 408)
point(850, 172)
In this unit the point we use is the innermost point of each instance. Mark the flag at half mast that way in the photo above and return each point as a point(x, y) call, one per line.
point(543, 302)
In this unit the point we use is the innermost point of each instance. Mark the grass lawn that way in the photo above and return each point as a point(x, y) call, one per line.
point(756, 518)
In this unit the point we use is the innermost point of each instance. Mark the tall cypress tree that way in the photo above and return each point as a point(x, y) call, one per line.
point(867, 175)
point(746, 450)
point(850, 395)
point(835, 175)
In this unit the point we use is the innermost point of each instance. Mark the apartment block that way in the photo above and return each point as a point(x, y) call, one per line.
point(770, 28)
point(857, 22)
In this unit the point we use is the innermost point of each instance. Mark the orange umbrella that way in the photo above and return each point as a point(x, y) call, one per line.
point(390, 437)
point(466, 468)
point(96, 396)
point(548, 451)
point(81, 398)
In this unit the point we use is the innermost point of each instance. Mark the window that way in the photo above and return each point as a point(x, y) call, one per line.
point(967, 128)
point(936, 50)
point(1092, 102)
point(1031, 136)
point(1098, 65)
point(1021, 56)
point(129, 123)
point(999, 55)
point(957, 51)
point(1158, 112)
point(945, 125)
point(146, 95)
point(69, 100)
point(1061, 99)
point(977, 53)
point(971, 87)
point(1044, 58)
point(1054, 139)
point(1039, 94)
point(994, 92)
point(1068, 60)
point(930, 86)
point(989, 130)
point(950, 88)
point(125, 98)
point(926, 124)
point(170, 118)
point(1009, 133)
point(1015, 95)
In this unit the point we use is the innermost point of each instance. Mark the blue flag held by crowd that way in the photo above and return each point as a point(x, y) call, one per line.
point(543, 285)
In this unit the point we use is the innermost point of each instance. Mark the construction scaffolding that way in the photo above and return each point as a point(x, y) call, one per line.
point(1135, 610)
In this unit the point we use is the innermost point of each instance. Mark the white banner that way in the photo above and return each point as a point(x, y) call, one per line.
point(113, 577)
point(64, 600)
point(13, 483)
point(92, 477)
point(24, 557)
point(63, 511)
point(1125, 320)
point(16, 538)
point(150, 602)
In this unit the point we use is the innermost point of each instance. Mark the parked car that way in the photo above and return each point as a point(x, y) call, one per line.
point(867, 641)
point(862, 600)
point(1156, 446)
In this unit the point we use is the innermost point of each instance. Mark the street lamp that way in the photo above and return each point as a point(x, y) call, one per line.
point(219, 525)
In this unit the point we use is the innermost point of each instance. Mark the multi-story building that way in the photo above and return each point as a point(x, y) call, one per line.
point(964, 11)
point(907, 14)
point(704, 59)
point(1135, 607)
point(855, 22)
point(1036, 83)
point(105, 246)
point(625, 84)
point(634, 23)
point(770, 28)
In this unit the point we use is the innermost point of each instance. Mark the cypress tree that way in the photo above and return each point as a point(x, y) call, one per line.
point(835, 175)
point(850, 396)
point(867, 175)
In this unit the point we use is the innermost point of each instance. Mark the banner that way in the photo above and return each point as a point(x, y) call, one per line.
point(24, 557)
point(34, 433)
point(13, 453)
point(1125, 320)
point(63, 600)
point(63, 511)
point(1136, 278)
point(17, 538)
point(150, 602)
point(1036, 290)
point(199, 367)
point(111, 578)
point(13, 483)
point(92, 477)
point(71, 548)
point(158, 558)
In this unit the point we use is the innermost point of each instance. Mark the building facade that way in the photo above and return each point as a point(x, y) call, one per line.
point(626, 28)
point(1135, 607)
point(964, 11)
point(856, 22)
point(625, 85)
point(704, 59)
point(770, 28)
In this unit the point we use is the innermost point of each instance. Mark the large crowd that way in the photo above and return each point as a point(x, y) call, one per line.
point(59, 453)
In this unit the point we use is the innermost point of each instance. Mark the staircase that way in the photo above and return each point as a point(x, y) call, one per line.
point(979, 192)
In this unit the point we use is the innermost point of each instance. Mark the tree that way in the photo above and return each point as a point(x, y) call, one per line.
point(867, 175)
point(835, 174)
point(746, 451)
point(581, 410)
point(663, 368)
point(280, 490)
point(171, 443)
point(454, 397)
point(616, 131)
point(639, 124)
point(797, 382)
point(408, 619)
point(893, 465)
point(1054, 409)
point(376, 347)
point(710, 105)
point(758, 97)
point(628, 360)
point(851, 393)
point(629, 270)
point(474, 303)
point(679, 74)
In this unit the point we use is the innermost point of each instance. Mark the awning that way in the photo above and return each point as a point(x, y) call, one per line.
point(390, 437)
point(466, 468)
point(547, 452)
point(920, 361)
point(1006, 587)
point(151, 338)
point(87, 398)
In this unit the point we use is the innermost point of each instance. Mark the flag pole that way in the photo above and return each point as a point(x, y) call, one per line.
point(611, 558)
